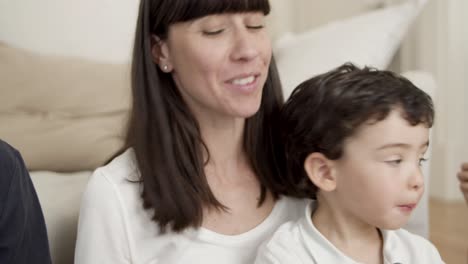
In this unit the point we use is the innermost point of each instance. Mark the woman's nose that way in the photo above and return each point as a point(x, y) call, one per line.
point(245, 45)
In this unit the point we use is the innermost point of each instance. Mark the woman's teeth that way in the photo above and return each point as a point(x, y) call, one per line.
point(243, 81)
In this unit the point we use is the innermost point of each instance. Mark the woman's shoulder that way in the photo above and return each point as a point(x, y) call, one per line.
point(117, 178)
point(121, 170)
point(113, 190)
point(111, 214)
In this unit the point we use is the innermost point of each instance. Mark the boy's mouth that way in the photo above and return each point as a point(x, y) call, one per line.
point(407, 207)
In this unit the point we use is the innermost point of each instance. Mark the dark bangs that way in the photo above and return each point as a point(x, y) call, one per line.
point(186, 10)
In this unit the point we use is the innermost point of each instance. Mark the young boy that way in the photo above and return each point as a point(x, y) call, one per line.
point(354, 141)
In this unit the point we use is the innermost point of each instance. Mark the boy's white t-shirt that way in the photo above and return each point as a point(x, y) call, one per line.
point(114, 228)
point(299, 242)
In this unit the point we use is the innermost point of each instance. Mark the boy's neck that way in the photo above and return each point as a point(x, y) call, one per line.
point(354, 238)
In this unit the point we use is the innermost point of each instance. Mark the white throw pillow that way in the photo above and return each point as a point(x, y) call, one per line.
point(98, 30)
point(369, 39)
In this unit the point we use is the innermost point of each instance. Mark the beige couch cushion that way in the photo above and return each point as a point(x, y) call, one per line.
point(60, 198)
point(62, 113)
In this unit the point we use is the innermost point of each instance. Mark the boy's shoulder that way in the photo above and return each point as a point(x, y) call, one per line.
point(289, 231)
point(406, 238)
point(284, 246)
point(287, 244)
point(405, 247)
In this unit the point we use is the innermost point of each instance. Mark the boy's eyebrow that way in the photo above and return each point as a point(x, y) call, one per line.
point(401, 145)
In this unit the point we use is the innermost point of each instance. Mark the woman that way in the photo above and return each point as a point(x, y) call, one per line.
point(195, 185)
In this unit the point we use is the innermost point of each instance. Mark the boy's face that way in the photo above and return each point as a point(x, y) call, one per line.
point(379, 179)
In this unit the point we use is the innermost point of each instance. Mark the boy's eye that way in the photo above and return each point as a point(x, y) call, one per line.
point(421, 161)
point(394, 162)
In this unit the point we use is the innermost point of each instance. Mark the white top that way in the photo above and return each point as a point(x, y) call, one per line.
point(114, 228)
point(298, 242)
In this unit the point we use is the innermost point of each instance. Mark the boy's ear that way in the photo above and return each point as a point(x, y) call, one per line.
point(320, 171)
point(160, 53)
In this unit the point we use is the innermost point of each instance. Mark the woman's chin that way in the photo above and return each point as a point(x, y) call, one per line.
point(249, 111)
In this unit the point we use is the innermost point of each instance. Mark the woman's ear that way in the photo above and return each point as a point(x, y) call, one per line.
point(160, 53)
point(320, 171)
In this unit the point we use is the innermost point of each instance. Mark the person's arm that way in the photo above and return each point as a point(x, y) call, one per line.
point(463, 177)
point(102, 236)
point(23, 234)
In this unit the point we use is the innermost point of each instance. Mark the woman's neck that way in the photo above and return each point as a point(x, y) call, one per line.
point(223, 139)
point(232, 180)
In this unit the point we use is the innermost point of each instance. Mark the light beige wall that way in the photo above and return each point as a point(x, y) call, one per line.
point(309, 14)
point(83, 28)
point(439, 44)
point(300, 15)
point(281, 18)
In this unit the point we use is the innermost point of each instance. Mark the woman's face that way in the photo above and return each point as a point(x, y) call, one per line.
point(219, 63)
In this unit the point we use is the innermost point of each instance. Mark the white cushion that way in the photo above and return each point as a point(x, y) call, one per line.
point(370, 39)
point(96, 30)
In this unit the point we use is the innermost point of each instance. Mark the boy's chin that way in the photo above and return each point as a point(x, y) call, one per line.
point(393, 225)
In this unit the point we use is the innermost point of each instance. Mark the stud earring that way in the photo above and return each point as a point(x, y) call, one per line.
point(165, 68)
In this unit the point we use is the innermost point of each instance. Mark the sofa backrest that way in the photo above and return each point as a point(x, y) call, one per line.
point(62, 113)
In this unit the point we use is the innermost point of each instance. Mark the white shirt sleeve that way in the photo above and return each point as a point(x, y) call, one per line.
point(102, 236)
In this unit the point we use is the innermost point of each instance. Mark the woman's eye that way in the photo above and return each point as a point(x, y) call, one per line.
point(256, 27)
point(212, 32)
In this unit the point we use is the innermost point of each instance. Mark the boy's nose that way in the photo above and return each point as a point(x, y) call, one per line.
point(416, 180)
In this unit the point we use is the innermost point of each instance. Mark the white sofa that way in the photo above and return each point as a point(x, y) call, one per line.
point(66, 114)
